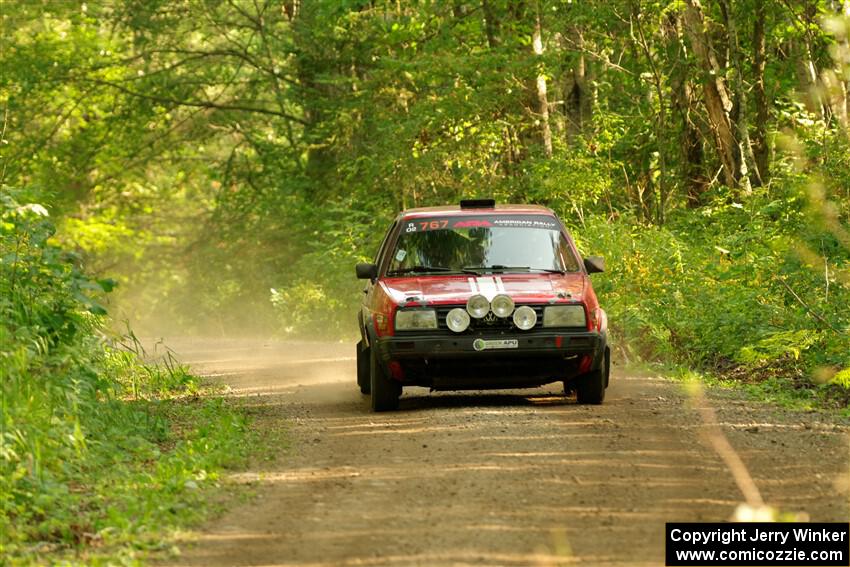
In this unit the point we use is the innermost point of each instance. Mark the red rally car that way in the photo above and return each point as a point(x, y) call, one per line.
point(480, 296)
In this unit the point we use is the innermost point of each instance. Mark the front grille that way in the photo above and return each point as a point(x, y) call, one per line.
point(488, 323)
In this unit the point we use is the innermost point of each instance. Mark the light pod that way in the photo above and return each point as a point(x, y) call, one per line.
point(478, 306)
point(457, 320)
point(502, 306)
point(525, 317)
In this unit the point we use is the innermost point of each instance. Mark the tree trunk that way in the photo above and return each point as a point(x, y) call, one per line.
point(718, 103)
point(761, 149)
point(742, 120)
point(836, 80)
point(660, 117)
point(291, 9)
point(491, 24)
point(683, 99)
point(578, 103)
point(542, 99)
point(843, 62)
point(807, 68)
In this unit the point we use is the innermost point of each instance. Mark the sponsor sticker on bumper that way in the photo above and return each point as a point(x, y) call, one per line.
point(481, 344)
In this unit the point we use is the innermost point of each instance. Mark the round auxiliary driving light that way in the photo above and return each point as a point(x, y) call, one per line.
point(524, 317)
point(478, 306)
point(502, 306)
point(457, 320)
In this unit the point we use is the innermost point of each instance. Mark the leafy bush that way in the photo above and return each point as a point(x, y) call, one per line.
point(317, 296)
point(96, 447)
point(553, 182)
point(723, 288)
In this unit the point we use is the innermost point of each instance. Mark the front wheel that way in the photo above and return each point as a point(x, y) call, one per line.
point(363, 379)
point(385, 390)
point(590, 388)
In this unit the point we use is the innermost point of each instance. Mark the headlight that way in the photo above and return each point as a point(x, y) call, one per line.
point(413, 319)
point(502, 306)
point(564, 316)
point(477, 306)
point(524, 317)
point(457, 320)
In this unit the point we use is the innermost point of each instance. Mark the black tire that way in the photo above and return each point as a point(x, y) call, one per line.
point(363, 379)
point(590, 388)
point(385, 390)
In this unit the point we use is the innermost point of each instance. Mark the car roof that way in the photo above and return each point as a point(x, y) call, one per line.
point(456, 210)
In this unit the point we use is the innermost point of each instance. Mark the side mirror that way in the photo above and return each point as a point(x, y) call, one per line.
point(594, 264)
point(366, 271)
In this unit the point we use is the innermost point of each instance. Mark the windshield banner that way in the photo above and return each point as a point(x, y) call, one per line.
point(544, 222)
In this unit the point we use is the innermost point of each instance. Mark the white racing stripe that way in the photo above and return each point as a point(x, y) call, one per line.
point(500, 285)
point(487, 287)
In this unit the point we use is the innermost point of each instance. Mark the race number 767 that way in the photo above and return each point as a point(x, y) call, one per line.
point(433, 225)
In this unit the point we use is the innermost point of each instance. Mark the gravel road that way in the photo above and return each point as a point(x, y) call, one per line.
point(507, 478)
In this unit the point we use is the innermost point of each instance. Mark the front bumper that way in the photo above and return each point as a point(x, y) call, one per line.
point(443, 361)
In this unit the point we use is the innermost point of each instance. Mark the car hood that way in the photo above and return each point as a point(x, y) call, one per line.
point(523, 288)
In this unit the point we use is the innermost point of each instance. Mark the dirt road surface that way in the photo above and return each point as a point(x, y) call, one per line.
point(504, 478)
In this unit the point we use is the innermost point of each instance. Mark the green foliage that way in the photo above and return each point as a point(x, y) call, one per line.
point(575, 183)
point(227, 163)
point(716, 288)
point(203, 169)
point(842, 379)
point(97, 449)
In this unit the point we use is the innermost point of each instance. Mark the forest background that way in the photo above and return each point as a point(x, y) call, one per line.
point(217, 167)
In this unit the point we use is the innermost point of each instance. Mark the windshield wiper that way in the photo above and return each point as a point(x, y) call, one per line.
point(501, 268)
point(496, 268)
point(428, 269)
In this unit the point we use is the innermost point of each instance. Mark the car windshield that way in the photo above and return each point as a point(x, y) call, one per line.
point(487, 244)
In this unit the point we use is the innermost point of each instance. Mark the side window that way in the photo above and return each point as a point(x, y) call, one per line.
point(570, 262)
point(382, 250)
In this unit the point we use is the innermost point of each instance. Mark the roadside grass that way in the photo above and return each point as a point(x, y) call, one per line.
point(105, 449)
point(747, 293)
point(787, 391)
point(161, 470)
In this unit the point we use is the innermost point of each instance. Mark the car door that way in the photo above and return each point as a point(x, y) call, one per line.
point(365, 315)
